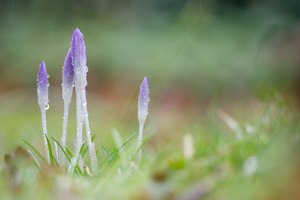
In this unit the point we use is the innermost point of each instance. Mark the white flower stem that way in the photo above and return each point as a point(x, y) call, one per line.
point(64, 131)
point(140, 139)
point(65, 124)
point(44, 126)
point(56, 151)
point(91, 146)
point(79, 116)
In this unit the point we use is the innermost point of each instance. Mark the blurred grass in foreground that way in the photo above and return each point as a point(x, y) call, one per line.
point(216, 171)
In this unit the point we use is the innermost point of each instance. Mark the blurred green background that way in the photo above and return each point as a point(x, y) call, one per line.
point(240, 58)
point(197, 54)
point(213, 46)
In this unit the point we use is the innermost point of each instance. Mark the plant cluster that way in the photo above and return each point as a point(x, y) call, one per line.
point(74, 76)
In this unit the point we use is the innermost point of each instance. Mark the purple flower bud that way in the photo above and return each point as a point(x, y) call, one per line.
point(143, 100)
point(78, 53)
point(42, 86)
point(42, 77)
point(68, 71)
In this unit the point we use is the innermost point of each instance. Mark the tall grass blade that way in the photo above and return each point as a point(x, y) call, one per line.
point(53, 161)
point(42, 158)
point(62, 149)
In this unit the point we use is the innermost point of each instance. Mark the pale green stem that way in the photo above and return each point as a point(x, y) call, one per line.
point(64, 131)
point(140, 139)
point(44, 126)
point(79, 116)
point(91, 146)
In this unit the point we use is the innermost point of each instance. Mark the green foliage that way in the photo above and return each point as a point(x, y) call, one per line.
point(217, 168)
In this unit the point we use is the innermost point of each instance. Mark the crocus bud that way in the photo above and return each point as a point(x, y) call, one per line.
point(68, 77)
point(42, 86)
point(68, 71)
point(143, 100)
point(78, 53)
point(67, 91)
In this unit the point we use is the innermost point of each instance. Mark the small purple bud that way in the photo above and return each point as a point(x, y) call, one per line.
point(143, 100)
point(78, 53)
point(68, 71)
point(42, 76)
point(42, 85)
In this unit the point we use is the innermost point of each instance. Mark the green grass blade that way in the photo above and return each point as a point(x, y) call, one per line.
point(145, 140)
point(83, 150)
point(68, 151)
point(112, 155)
point(53, 161)
point(74, 167)
point(93, 137)
point(103, 149)
point(127, 141)
point(63, 150)
point(35, 161)
point(78, 170)
point(42, 158)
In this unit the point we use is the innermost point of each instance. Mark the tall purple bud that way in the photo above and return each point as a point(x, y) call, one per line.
point(143, 101)
point(43, 100)
point(78, 53)
point(68, 72)
point(67, 91)
point(42, 86)
point(78, 56)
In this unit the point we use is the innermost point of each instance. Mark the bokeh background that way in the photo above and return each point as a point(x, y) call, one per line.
point(198, 55)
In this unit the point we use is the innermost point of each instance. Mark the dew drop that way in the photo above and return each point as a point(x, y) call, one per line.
point(78, 73)
point(85, 82)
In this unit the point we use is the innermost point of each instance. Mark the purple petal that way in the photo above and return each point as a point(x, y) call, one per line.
point(78, 49)
point(143, 100)
point(42, 86)
point(68, 71)
point(78, 53)
point(42, 81)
